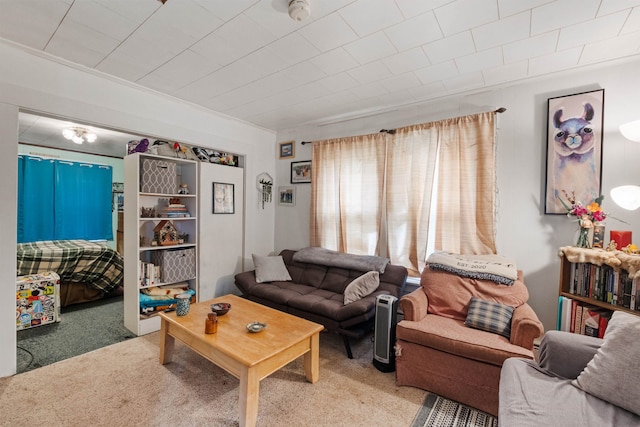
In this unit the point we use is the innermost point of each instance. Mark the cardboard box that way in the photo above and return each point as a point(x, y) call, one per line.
point(37, 300)
point(158, 177)
point(176, 265)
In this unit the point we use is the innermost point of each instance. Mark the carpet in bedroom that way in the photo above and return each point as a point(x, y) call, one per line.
point(83, 328)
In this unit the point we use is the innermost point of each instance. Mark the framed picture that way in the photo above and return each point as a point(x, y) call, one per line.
point(574, 149)
point(301, 172)
point(118, 196)
point(223, 198)
point(288, 150)
point(287, 196)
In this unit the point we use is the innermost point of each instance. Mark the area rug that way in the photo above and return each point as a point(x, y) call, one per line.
point(124, 385)
point(440, 412)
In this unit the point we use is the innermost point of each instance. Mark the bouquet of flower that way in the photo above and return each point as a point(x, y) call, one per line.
point(590, 214)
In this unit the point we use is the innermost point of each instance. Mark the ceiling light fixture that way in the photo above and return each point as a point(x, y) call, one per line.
point(299, 9)
point(79, 135)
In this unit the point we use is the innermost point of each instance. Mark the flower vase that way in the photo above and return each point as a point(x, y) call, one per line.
point(585, 237)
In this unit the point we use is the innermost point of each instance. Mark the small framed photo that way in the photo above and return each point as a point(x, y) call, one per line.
point(223, 198)
point(288, 150)
point(301, 172)
point(287, 196)
point(574, 149)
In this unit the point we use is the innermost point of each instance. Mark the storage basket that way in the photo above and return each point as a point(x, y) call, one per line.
point(176, 265)
point(158, 176)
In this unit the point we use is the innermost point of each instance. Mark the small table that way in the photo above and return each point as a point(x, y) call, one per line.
point(245, 355)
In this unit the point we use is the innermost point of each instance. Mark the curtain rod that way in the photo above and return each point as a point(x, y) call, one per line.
point(392, 131)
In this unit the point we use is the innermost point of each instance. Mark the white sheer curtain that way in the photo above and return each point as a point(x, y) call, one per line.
point(375, 194)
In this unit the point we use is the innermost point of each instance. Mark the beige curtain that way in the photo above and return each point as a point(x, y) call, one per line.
point(466, 185)
point(428, 186)
point(411, 168)
point(347, 186)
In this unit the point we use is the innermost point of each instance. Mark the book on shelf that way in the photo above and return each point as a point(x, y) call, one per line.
point(582, 318)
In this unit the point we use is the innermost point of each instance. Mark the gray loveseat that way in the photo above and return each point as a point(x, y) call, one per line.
point(542, 394)
point(316, 293)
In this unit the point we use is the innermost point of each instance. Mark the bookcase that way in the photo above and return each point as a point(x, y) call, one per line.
point(603, 281)
point(160, 244)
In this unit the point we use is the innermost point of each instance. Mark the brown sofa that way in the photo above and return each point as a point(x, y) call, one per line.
point(437, 352)
point(316, 293)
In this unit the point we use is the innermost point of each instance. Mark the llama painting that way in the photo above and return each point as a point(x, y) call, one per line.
point(574, 148)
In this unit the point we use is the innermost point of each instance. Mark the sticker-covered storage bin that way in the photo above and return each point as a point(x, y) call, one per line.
point(37, 300)
point(158, 176)
point(176, 265)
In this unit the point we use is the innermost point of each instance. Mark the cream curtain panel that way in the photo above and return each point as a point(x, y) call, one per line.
point(428, 185)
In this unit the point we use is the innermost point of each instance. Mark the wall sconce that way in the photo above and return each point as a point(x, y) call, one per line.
point(628, 196)
point(79, 135)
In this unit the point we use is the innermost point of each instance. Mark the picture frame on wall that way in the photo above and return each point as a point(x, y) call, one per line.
point(287, 150)
point(223, 198)
point(574, 150)
point(301, 172)
point(287, 195)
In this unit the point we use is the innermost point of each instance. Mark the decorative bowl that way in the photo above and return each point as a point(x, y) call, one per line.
point(221, 308)
point(256, 326)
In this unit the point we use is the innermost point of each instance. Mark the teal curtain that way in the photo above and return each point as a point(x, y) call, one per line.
point(62, 200)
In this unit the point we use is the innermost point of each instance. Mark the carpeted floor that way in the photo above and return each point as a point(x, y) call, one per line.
point(124, 385)
point(83, 328)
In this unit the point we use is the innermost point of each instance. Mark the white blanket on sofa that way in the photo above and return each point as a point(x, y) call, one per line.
point(485, 267)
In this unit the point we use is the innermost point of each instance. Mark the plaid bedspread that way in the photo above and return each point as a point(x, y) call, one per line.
point(78, 261)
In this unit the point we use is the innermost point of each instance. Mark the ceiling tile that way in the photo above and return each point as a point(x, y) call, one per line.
point(339, 82)
point(506, 73)
point(411, 8)
point(183, 17)
point(414, 32)
point(409, 60)
point(81, 44)
point(557, 61)
point(368, 90)
point(475, 62)
point(464, 82)
point(116, 19)
point(217, 48)
point(510, 7)
point(448, 48)
point(370, 72)
point(633, 22)
point(401, 82)
point(370, 48)
point(334, 61)
point(263, 61)
point(225, 9)
point(465, 14)
point(31, 23)
point(185, 68)
point(501, 32)
point(621, 46)
point(611, 6)
point(561, 13)
point(243, 36)
point(532, 47)
point(437, 72)
point(292, 49)
point(586, 32)
point(302, 73)
point(328, 33)
point(369, 16)
point(274, 20)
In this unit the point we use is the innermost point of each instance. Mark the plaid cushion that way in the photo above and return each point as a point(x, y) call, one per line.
point(489, 316)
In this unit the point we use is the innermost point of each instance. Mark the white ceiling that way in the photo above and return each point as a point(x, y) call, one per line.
point(248, 59)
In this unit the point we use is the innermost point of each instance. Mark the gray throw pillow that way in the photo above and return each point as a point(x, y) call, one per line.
point(489, 316)
point(361, 286)
point(270, 269)
point(613, 374)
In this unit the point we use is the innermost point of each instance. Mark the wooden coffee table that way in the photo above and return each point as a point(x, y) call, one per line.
point(245, 355)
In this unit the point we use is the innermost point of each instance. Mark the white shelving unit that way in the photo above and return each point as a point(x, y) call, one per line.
point(140, 232)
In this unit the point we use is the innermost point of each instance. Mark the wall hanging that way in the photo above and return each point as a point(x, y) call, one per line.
point(264, 185)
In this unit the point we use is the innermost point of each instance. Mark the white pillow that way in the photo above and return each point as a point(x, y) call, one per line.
point(613, 374)
point(270, 268)
point(361, 286)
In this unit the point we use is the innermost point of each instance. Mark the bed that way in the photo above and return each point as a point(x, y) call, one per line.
point(88, 270)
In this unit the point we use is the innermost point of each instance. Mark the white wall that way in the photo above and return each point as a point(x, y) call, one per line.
point(33, 82)
point(524, 233)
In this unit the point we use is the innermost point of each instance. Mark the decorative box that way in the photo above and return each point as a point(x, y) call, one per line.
point(37, 300)
point(176, 265)
point(158, 176)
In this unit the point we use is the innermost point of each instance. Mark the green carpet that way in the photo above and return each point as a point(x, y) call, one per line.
point(440, 412)
point(83, 328)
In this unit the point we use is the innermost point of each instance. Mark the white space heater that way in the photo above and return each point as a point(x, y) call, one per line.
point(384, 336)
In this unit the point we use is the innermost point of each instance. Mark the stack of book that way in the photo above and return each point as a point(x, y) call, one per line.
point(603, 283)
point(177, 210)
point(582, 318)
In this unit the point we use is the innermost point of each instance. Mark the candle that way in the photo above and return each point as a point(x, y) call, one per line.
point(622, 238)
